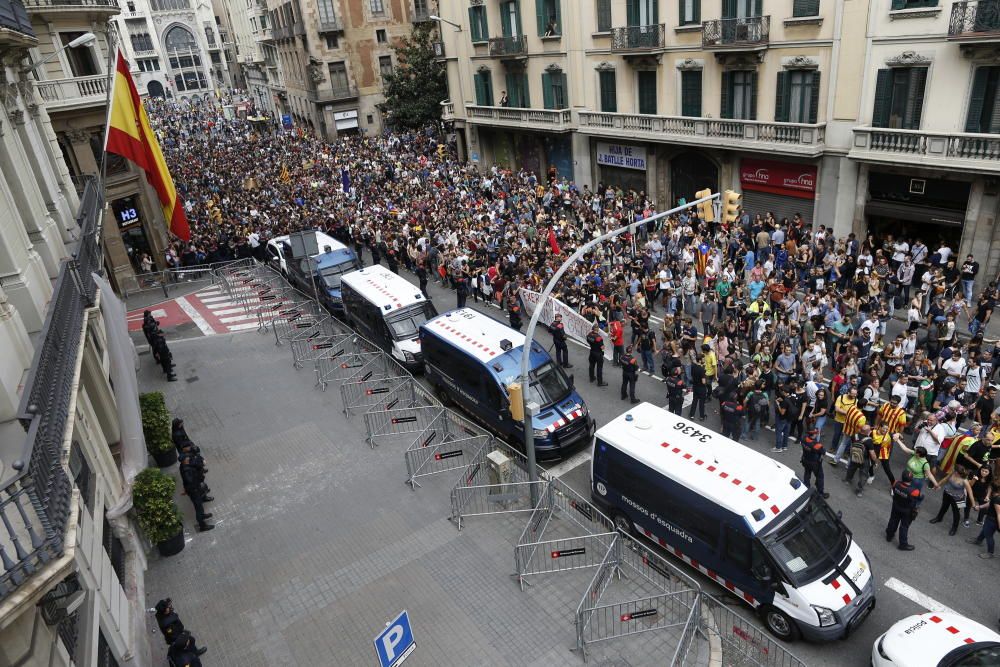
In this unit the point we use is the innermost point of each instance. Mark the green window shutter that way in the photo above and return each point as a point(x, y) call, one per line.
point(517, 18)
point(973, 120)
point(781, 98)
point(805, 8)
point(565, 91)
point(558, 16)
point(505, 18)
point(484, 27)
point(883, 98)
point(918, 80)
point(512, 94)
point(603, 15)
point(697, 14)
point(753, 96)
point(899, 4)
point(691, 93)
point(814, 98)
point(758, 8)
point(681, 19)
point(633, 12)
point(540, 16)
point(656, 12)
point(488, 87)
point(480, 93)
point(547, 97)
point(728, 9)
point(474, 24)
point(726, 96)
point(609, 93)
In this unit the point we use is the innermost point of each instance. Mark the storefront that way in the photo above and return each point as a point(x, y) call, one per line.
point(932, 209)
point(622, 165)
point(128, 214)
point(537, 153)
point(346, 121)
point(782, 188)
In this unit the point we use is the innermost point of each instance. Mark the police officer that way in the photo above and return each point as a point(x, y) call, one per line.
point(630, 373)
point(675, 390)
point(163, 355)
point(596, 357)
point(192, 477)
point(422, 277)
point(168, 621)
point(183, 653)
point(905, 497)
point(179, 435)
point(462, 287)
point(515, 315)
point(731, 412)
point(558, 330)
point(812, 460)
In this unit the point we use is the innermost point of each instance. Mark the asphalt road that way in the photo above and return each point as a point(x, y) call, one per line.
point(942, 573)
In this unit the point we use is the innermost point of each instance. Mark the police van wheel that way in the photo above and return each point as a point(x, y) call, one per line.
point(779, 624)
point(443, 396)
point(624, 525)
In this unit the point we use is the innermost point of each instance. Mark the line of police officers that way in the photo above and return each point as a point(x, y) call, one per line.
point(158, 345)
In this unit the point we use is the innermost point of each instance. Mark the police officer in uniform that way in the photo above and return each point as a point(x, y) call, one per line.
point(558, 330)
point(422, 277)
point(193, 479)
point(812, 460)
point(163, 355)
point(596, 357)
point(515, 315)
point(183, 653)
point(675, 390)
point(905, 497)
point(168, 621)
point(630, 373)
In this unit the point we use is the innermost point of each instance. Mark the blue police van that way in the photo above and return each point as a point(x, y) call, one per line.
point(470, 359)
point(738, 517)
point(325, 269)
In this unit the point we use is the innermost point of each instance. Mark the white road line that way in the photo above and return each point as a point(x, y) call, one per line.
point(195, 316)
point(227, 311)
point(210, 291)
point(911, 593)
point(214, 305)
point(212, 299)
point(241, 327)
point(238, 318)
point(572, 462)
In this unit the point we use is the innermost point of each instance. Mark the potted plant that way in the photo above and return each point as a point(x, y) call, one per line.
point(156, 428)
point(159, 518)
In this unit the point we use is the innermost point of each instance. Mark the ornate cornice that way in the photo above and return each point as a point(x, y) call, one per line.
point(690, 64)
point(605, 66)
point(800, 62)
point(908, 59)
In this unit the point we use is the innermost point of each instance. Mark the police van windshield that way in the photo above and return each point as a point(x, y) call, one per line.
point(810, 543)
point(331, 274)
point(548, 384)
point(406, 323)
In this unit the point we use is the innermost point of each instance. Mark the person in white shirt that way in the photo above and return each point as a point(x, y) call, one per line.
point(899, 388)
point(930, 435)
point(944, 252)
point(973, 379)
point(900, 248)
point(955, 367)
point(872, 325)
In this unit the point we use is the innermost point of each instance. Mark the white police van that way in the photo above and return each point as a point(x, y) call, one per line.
point(388, 310)
point(739, 517)
point(278, 251)
point(937, 639)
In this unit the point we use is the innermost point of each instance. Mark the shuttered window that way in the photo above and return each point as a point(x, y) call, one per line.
point(484, 89)
point(647, 91)
point(689, 12)
point(642, 12)
point(549, 17)
point(691, 93)
point(984, 104)
point(899, 97)
point(805, 8)
point(554, 90)
point(739, 95)
point(797, 97)
point(609, 91)
point(477, 21)
point(517, 90)
point(603, 15)
point(913, 4)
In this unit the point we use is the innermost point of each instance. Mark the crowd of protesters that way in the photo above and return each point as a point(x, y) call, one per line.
point(785, 325)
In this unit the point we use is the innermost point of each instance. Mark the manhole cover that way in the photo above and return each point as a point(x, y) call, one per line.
point(193, 378)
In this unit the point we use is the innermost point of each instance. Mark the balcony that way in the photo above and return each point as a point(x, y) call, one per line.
point(447, 110)
point(421, 15)
point(638, 38)
point(803, 139)
point(958, 151)
point(80, 6)
point(14, 17)
point(736, 34)
point(331, 25)
point(550, 120)
point(975, 21)
point(75, 93)
point(328, 95)
point(265, 35)
point(282, 33)
point(508, 47)
point(36, 495)
point(145, 53)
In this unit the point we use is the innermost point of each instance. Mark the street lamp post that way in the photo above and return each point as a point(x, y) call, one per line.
point(529, 432)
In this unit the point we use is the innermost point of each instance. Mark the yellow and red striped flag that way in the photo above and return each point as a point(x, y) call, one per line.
point(131, 136)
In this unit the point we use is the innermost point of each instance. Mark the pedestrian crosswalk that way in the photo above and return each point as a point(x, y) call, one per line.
point(211, 310)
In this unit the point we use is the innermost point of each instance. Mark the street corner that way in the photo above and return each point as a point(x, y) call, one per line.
point(208, 312)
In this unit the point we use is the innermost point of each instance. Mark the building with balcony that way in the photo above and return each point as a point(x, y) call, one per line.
point(332, 55)
point(71, 574)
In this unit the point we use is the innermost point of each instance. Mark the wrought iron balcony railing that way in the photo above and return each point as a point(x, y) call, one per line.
point(39, 5)
point(638, 37)
point(332, 24)
point(975, 18)
point(35, 499)
point(508, 46)
point(333, 94)
point(750, 31)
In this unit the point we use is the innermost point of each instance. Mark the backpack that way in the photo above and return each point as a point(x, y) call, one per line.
point(857, 452)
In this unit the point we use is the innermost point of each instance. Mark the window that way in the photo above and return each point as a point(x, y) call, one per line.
point(141, 42)
point(210, 35)
point(913, 4)
point(691, 93)
point(131, 6)
point(81, 60)
point(80, 471)
point(381, 37)
point(603, 15)
point(194, 80)
point(984, 104)
point(378, 7)
point(797, 98)
point(732, 9)
point(647, 91)
point(114, 549)
point(338, 76)
point(385, 65)
point(554, 90)
point(484, 88)
point(549, 18)
point(739, 95)
point(642, 12)
point(805, 7)
point(170, 5)
point(216, 58)
point(332, 41)
point(517, 90)
point(510, 19)
point(149, 65)
point(326, 13)
point(689, 12)
point(899, 97)
point(371, 119)
point(477, 21)
point(609, 90)
point(180, 39)
point(738, 548)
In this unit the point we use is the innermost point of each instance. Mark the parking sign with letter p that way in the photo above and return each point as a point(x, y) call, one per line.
point(394, 644)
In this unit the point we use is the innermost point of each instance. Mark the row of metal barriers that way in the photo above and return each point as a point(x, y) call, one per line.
point(625, 586)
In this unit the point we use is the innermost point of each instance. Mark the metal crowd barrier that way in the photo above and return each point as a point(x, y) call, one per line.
point(449, 443)
point(743, 644)
point(167, 278)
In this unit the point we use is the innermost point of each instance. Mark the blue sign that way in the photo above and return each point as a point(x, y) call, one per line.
point(474, 156)
point(394, 644)
point(286, 121)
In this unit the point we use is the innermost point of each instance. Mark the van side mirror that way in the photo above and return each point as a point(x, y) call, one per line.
point(571, 383)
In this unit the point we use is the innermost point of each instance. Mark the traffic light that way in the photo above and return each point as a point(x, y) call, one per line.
point(516, 401)
point(705, 208)
point(731, 206)
point(441, 150)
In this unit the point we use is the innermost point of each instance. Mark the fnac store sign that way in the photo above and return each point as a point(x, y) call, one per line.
point(780, 178)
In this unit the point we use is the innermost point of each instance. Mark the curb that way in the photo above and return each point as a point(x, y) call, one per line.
point(714, 639)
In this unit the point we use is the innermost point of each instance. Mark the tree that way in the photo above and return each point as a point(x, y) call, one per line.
point(415, 89)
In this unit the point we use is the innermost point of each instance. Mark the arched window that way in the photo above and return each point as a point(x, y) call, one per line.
point(180, 39)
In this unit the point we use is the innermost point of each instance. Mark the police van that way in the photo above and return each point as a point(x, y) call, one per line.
point(388, 310)
point(471, 359)
point(738, 517)
point(324, 269)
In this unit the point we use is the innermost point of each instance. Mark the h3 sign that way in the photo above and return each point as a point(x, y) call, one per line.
point(394, 644)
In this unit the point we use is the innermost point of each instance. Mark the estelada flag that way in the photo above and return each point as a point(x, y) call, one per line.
point(553, 243)
point(701, 259)
point(131, 136)
point(285, 177)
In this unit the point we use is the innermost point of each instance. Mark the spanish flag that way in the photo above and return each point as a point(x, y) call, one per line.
point(130, 135)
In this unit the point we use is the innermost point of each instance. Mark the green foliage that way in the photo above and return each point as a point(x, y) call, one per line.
point(153, 500)
point(155, 422)
point(418, 84)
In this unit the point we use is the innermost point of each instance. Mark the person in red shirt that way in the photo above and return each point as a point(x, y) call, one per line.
point(617, 341)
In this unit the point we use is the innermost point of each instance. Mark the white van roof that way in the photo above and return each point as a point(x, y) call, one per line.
point(383, 288)
point(322, 241)
point(743, 481)
point(474, 332)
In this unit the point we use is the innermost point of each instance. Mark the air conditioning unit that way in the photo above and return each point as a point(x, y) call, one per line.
point(500, 467)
